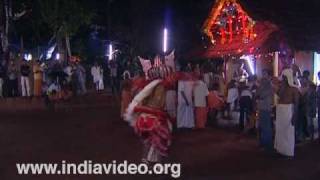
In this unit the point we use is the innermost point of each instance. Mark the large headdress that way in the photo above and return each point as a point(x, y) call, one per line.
point(159, 72)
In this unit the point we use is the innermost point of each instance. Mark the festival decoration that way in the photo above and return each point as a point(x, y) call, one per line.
point(157, 62)
point(232, 33)
point(226, 20)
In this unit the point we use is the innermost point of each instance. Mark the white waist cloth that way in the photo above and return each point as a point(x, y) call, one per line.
point(284, 135)
point(185, 116)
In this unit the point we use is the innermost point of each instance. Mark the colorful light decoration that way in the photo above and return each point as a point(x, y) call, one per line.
point(228, 18)
point(165, 40)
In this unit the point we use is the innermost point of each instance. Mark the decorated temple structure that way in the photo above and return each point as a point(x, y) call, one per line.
point(232, 34)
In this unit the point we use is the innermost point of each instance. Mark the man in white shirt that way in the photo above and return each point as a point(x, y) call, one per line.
point(185, 116)
point(201, 93)
point(97, 75)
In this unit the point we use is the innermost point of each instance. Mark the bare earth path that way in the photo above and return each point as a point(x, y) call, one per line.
point(98, 134)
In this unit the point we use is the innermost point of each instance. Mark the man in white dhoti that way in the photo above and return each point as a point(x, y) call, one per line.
point(97, 75)
point(185, 116)
point(286, 115)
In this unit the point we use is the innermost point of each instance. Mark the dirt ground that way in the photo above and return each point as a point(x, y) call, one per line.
point(97, 134)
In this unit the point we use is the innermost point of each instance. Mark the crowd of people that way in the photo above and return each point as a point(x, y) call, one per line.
point(55, 80)
point(281, 111)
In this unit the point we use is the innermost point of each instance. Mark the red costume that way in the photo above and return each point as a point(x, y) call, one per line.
point(147, 115)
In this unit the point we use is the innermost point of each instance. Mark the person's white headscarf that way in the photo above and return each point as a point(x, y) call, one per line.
point(292, 81)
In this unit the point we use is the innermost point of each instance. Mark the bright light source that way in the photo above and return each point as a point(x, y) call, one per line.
point(50, 51)
point(165, 40)
point(316, 68)
point(57, 56)
point(110, 52)
point(250, 61)
point(28, 57)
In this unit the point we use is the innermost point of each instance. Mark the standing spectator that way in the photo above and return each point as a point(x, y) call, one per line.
point(264, 96)
point(25, 83)
point(74, 80)
point(232, 98)
point(185, 115)
point(311, 108)
point(207, 77)
point(302, 131)
point(37, 75)
point(318, 105)
point(68, 71)
point(220, 79)
point(114, 76)
point(245, 103)
point(13, 79)
point(2, 78)
point(215, 103)
point(286, 116)
point(188, 68)
point(81, 79)
point(197, 70)
point(126, 94)
point(97, 75)
point(201, 93)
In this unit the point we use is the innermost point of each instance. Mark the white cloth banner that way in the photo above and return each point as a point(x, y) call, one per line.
point(169, 61)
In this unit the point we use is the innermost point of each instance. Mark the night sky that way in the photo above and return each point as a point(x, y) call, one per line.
point(139, 23)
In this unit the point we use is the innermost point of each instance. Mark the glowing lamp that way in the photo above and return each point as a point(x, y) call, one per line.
point(57, 56)
point(28, 57)
point(110, 51)
point(165, 40)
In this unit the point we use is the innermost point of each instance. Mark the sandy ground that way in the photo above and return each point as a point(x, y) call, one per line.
point(97, 134)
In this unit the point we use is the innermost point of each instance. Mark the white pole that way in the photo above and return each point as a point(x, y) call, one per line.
point(276, 64)
point(110, 51)
point(275, 73)
point(165, 40)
